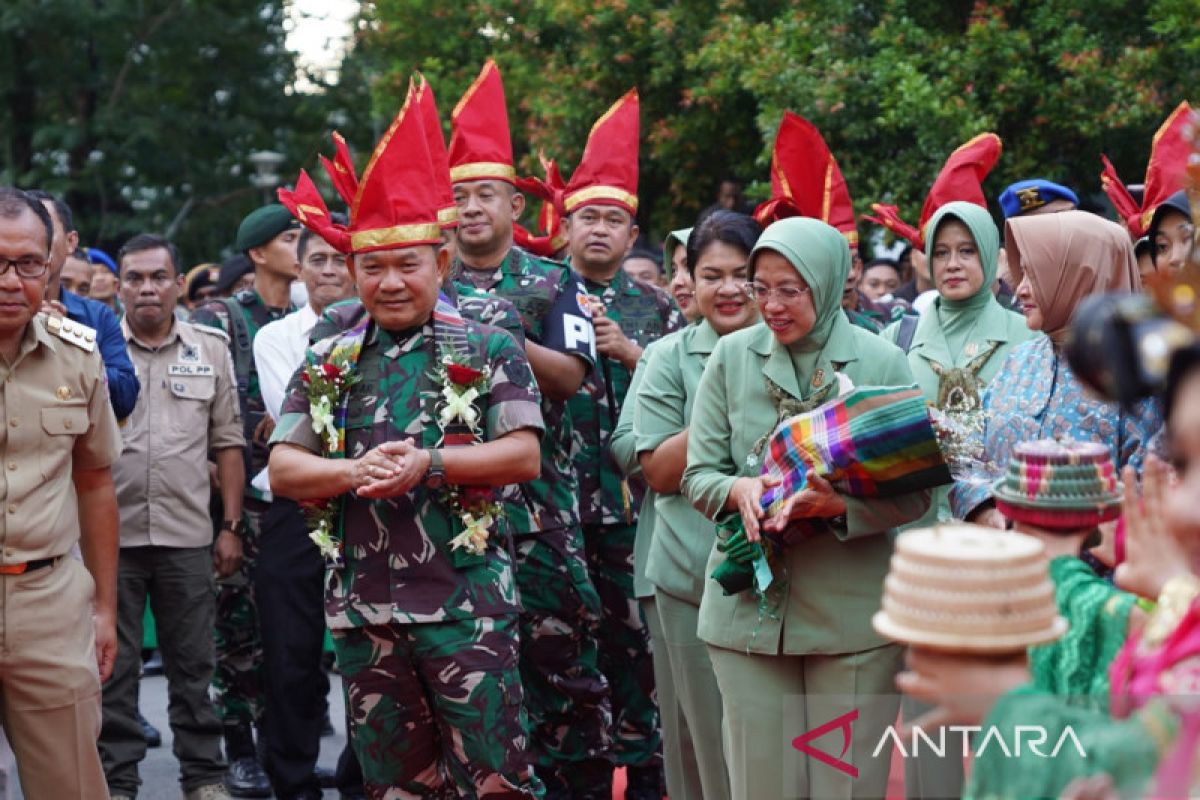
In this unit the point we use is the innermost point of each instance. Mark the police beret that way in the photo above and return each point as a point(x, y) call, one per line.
point(262, 225)
point(1025, 196)
point(98, 256)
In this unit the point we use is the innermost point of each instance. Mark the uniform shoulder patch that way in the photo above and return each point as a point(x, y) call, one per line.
point(71, 331)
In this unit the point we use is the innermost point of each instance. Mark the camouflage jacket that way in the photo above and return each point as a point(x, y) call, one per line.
point(548, 297)
point(645, 314)
point(257, 314)
point(398, 566)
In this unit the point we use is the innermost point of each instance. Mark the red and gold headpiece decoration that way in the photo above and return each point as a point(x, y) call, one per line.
point(550, 218)
point(436, 142)
point(395, 203)
point(480, 145)
point(608, 172)
point(961, 179)
point(1165, 173)
point(806, 180)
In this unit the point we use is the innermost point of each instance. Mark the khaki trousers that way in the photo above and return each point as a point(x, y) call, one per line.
point(49, 686)
point(679, 758)
point(699, 700)
point(771, 700)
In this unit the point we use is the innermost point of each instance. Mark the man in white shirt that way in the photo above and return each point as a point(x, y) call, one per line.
point(289, 575)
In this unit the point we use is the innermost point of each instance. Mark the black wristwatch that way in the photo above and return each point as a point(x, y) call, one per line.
point(234, 526)
point(435, 476)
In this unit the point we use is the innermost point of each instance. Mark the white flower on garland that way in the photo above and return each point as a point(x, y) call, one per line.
point(459, 405)
point(474, 538)
point(322, 537)
point(323, 423)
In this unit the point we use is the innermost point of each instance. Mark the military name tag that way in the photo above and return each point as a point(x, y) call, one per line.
point(190, 369)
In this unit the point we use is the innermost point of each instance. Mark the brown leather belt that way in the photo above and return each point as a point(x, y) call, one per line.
point(28, 566)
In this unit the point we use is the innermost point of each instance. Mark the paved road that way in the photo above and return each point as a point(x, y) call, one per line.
point(160, 770)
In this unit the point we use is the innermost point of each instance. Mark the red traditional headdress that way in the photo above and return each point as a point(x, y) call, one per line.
point(550, 217)
point(436, 143)
point(961, 178)
point(1165, 173)
point(608, 172)
point(396, 202)
point(806, 180)
point(480, 145)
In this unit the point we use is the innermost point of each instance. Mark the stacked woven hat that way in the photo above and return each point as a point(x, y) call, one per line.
point(969, 589)
point(1059, 485)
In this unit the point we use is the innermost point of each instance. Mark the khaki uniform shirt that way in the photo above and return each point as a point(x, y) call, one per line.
point(188, 406)
point(55, 417)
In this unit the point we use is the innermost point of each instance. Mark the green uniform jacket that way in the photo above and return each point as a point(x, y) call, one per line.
point(683, 537)
point(624, 452)
point(834, 580)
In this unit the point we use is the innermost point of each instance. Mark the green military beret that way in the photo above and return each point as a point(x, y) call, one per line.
point(262, 225)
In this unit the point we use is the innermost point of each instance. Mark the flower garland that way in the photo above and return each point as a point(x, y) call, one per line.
point(458, 419)
point(328, 389)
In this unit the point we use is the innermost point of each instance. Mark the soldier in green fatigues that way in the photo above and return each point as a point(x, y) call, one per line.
point(601, 202)
point(397, 436)
point(567, 694)
point(268, 236)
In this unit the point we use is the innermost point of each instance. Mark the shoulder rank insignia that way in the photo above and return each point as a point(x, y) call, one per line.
point(71, 331)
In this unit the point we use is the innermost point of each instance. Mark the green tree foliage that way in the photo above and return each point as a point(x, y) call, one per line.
point(894, 86)
point(142, 112)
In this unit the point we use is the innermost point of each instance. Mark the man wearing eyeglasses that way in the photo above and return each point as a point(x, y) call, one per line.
point(187, 409)
point(59, 438)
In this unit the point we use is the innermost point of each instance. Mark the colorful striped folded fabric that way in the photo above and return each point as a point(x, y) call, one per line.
point(870, 442)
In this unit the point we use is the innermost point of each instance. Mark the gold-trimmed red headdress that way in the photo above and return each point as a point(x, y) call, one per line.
point(806, 180)
point(1165, 173)
point(608, 172)
point(480, 144)
point(395, 203)
point(961, 178)
point(435, 141)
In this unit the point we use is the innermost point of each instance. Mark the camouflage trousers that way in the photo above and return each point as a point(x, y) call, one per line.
point(237, 679)
point(566, 693)
point(625, 655)
point(436, 709)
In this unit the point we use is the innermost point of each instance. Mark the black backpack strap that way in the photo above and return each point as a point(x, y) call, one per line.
point(243, 351)
point(908, 329)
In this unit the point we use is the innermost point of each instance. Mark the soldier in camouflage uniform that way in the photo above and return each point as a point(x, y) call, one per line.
point(566, 692)
point(268, 236)
point(600, 201)
point(420, 592)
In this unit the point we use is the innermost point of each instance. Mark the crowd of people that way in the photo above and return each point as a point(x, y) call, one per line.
point(510, 477)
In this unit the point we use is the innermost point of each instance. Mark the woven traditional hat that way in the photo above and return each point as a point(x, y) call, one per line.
point(1059, 486)
point(969, 589)
point(961, 178)
point(806, 180)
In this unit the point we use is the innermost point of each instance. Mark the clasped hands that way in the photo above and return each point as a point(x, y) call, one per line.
point(389, 470)
point(817, 500)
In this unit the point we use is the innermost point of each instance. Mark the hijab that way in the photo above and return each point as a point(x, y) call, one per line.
point(820, 255)
point(1068, 256)
point(959, 319)
point(675, 239)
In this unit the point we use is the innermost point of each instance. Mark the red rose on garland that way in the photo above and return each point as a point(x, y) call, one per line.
point(462, 375)
point(331, 371)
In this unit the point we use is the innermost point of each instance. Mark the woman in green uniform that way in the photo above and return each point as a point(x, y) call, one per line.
point(802, 654)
